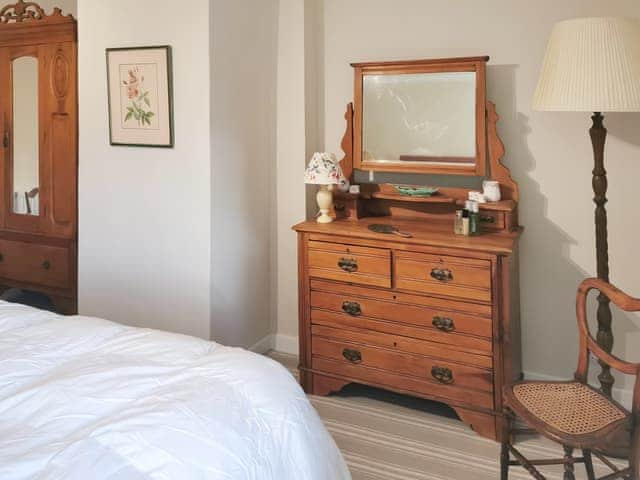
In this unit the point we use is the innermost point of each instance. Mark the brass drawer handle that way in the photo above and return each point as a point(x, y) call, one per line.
point(442, 274)
point(46, 265)
point(349, 265)
point(442, 374)
point(352, 308)
point(487, 219)
point(354, 356)
point(444, 323)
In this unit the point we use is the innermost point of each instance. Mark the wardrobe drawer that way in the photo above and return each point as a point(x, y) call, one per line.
point(32, 263)
point(410, 373)
point(363, 265)
point(459, 277)
point(447, 321)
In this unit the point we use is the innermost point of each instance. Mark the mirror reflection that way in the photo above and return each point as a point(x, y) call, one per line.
point(423, 118)
point(26, 144)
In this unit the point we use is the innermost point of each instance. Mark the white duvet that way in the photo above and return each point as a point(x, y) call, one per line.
point(87, 399)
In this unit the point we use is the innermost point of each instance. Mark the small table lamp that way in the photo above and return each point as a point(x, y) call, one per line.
point(323, 170)
point(593, 65)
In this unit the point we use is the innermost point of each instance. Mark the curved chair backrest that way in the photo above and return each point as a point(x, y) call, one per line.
point(589, 344)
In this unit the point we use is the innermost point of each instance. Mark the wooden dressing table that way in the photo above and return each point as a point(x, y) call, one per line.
point(435, 315)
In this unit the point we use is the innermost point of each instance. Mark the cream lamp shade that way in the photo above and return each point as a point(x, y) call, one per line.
point(591, 65)
point(323, 169)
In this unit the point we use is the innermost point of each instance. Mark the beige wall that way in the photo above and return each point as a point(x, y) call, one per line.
point(145, 213)
point(244, 35)
point(549, 153)
point(291, 153)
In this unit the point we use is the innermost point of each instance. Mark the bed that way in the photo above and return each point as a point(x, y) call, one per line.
point(84, 398)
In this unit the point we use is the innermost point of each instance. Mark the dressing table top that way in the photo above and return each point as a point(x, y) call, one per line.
point(437, 233)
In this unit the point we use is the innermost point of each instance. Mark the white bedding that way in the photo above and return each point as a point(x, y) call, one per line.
point(87, 399)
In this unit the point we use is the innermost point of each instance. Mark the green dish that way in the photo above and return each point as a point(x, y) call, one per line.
point(410, 191)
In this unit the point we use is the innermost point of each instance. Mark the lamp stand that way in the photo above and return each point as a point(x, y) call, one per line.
point(604, 336)
point(324, 197)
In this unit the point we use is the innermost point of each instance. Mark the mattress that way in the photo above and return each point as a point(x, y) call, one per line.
point(83, 398)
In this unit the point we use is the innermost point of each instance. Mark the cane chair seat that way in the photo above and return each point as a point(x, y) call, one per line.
point(568, 407)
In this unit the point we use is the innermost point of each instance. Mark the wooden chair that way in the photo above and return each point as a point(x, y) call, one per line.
point(575, 414)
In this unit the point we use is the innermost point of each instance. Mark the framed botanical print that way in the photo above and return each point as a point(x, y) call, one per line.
point(140, 96)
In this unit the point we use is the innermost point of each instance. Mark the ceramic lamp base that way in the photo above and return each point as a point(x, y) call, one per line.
point(324, 198)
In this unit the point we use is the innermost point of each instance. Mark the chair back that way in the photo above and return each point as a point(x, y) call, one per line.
point(589, 345)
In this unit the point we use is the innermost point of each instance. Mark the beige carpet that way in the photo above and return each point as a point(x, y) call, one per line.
point(390, 437)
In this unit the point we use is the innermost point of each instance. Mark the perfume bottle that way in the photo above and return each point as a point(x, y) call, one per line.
point(457, 225)
point(465, 222)
point(474, 217)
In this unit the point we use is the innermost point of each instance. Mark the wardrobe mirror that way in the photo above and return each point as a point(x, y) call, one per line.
point(26, 142)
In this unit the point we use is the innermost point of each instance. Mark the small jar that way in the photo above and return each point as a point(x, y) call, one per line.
point(492, 190)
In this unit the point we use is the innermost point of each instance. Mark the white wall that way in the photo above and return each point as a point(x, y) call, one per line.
point(549, 153)
point(145, 213)
point(243, 128)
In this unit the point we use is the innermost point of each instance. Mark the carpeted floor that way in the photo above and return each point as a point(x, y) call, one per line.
point(384, 436)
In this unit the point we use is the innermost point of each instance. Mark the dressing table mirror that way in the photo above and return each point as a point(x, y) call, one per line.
point(428, 313)
point(421, 117)
point(38, 153)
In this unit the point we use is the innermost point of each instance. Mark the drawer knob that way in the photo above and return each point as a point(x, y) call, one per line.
point(46, 265)
point(442, 375)
point(354, 356)
point(352, 308)
point(443, 323)
point(487, 219)
point(442, 274)
point(349, 265)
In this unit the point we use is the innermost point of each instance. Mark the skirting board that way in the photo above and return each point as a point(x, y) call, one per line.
point(289, 344)
point(278, 342)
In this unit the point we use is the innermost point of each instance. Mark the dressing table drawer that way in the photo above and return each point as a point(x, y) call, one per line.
point(34, 263)
point(433, 319)
point(465, 278)
point(399, 370)
point(363, 265)
point(492, 220)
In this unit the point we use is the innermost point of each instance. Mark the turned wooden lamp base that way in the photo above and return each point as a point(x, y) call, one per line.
point(598, 135)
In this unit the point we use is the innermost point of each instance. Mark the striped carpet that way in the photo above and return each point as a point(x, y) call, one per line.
point(384, 436)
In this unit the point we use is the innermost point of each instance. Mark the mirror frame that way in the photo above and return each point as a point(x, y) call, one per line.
point(445, 65)
point(12, 220)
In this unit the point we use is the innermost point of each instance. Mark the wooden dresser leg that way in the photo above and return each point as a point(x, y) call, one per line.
point(323, 386)
point(484, 424)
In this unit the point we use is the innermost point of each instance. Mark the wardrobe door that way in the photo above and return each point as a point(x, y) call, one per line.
point(23, 139)
point(59, 164)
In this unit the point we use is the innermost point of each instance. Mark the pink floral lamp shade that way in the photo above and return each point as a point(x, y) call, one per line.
point(323, 169)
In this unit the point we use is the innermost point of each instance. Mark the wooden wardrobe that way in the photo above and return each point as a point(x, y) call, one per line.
point(39, 153)
point(430, 314)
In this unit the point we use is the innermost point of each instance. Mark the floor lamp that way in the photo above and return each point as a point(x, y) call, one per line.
point(593, 65)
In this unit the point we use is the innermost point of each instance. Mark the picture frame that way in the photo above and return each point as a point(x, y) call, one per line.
point(140, 96)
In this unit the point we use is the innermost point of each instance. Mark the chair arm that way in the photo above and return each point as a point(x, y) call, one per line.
point(617, 296)
point(587, 342)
